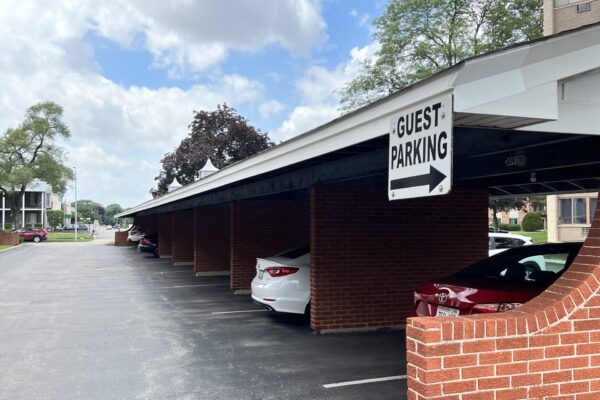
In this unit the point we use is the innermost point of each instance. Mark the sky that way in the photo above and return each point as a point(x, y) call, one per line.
point(130, 73)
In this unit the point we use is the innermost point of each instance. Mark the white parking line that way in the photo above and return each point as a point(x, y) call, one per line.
point(236, 312)
point(186, 286)
point(362, 381)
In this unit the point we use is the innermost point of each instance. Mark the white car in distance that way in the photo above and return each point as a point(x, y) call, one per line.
point(499, 242)
point(282, 282)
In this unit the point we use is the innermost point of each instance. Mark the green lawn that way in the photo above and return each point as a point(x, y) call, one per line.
point(68, 237)
point(2, 247)
point(538, 237)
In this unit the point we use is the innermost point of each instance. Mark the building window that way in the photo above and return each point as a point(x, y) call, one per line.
point(577, 210)
point(513, 221)
point(565, 211)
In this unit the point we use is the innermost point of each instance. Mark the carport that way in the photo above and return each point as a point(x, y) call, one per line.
point(525, 121)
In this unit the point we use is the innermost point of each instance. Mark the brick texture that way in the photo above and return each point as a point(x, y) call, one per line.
point(212, 236)
point(547, 349)
point(8, 238)
point(121, 239)
point(368, 254)
point(183, 236)
point(262, 228)
point(165, 231)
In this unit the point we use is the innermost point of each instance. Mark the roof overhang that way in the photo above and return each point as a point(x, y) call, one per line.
point(521, 87)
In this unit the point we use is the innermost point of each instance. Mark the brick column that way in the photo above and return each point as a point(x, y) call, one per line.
point(165, 231)
point(368, 254)
point(263, 228)
point(183, 237)
point(212, 252)
point(548, 348)
point(121, 239)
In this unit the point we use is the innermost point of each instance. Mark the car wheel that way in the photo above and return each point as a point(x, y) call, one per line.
point(37, 239)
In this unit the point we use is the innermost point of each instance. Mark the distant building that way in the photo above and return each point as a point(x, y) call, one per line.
point(570, 215)
point(37, 200)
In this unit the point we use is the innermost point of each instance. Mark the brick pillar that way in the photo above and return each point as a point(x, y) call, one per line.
point(165, 231)
point(368, 254)
point(121, 239)
point(183, 237)
point(212, 252)
point(548, 348)
point(262, 228)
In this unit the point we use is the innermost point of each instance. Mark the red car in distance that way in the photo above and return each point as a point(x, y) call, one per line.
point(499, 283)
point(34, 234)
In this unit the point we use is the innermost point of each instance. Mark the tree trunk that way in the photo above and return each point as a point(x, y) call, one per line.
point(16, 204)
point(495, 212)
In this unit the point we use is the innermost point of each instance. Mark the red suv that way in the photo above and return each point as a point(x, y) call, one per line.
point(35, 234)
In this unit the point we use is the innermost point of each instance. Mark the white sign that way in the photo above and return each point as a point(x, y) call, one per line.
point(421, 150)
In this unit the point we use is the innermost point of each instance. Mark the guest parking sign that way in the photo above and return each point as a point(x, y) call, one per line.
point(420, 154)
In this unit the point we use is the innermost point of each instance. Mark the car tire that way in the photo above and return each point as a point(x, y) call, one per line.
point(37, 239)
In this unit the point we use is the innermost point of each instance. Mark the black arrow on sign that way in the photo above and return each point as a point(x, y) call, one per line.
point(433, 178)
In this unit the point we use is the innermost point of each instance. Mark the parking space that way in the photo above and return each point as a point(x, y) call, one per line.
point(98, 321)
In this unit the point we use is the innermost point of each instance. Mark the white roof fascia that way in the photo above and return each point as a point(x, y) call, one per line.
point(518, 82)
point(368, 123)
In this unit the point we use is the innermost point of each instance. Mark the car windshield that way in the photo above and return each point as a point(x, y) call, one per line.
point(533, 267)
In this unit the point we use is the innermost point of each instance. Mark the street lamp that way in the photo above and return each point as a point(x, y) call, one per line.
point(76, 225)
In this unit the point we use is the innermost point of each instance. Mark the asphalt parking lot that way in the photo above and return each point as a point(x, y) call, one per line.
point(93, 321)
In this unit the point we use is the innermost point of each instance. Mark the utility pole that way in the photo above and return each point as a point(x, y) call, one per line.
point(76, 224)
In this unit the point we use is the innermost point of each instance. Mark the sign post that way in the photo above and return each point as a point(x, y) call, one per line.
point(420, 156)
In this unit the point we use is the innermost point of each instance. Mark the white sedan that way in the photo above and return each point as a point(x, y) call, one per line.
point(498, 242)
point(282, 282)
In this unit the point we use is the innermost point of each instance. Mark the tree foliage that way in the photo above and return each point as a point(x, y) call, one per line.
point(30, 152)
point(89, 210)
point(222, 135)
point(505, 205)
point(421, 37)
point(55, 218)
point(532, 222)
point(111, 211)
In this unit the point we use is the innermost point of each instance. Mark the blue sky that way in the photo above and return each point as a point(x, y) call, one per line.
point(130, 73)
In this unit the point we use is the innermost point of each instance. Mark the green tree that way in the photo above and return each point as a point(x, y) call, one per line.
point(505, 205)
point(111, 211)
point(55, 218)
point(89, 210)
point(421, 37)
point(532, 222)
point(222, 135)
point(30, 152)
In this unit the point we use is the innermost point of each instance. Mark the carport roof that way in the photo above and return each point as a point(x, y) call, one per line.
point(513, 88)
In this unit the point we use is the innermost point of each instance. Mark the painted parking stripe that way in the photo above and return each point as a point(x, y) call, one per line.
point(236, 312)
point(363, 381)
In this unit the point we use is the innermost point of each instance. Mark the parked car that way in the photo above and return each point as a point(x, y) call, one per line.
point(495, 284)
point(34, 234)
point(135, 234)
point(80, 228)
point(149, 244)
point(282, 282)
point(499, 242)
point(493, 229)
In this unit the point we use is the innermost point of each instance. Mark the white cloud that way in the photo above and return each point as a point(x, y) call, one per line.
point(318, 89)
point(269, 108)
point(120, 133)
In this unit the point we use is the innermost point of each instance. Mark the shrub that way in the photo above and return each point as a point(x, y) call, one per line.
point(38, 225)
point(8, 227)
point(532, 222)
point(510, 227)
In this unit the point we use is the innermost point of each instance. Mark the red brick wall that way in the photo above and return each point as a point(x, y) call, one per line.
point(369, 254)
point(547, 349)
point(212, 237)
point(165, 230)
point(8, 238)
point(262, 228)
point(183, 236)
point(121, 239)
